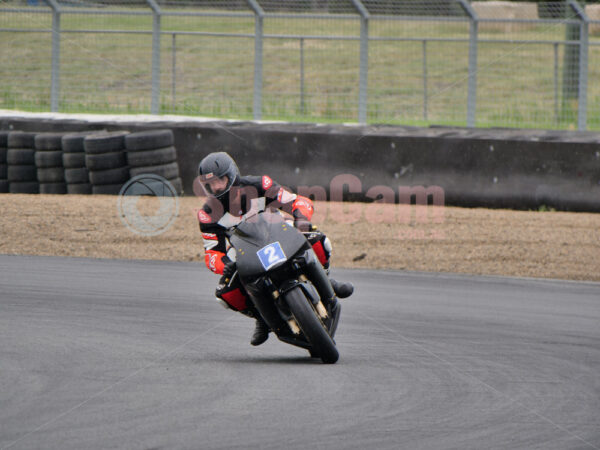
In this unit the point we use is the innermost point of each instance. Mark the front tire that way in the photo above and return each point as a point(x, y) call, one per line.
point(311, 326)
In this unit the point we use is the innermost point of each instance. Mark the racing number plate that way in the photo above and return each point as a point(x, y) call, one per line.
point(271, 255)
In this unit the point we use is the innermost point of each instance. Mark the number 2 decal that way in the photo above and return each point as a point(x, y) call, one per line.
point(271, 255)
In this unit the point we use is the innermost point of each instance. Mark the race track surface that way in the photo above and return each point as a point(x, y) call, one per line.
point(103, 354)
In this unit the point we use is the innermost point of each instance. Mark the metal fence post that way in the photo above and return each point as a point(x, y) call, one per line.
point(302, 102)
point(425, 79)
point(258, 58)
point(173, 70)
point(556, 113)
point(364, 61)
point(583, 64)
point(55, 74)
point(156, 13)
point(472, 87)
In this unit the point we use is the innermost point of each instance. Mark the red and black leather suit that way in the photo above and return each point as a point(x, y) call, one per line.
point(218, 215)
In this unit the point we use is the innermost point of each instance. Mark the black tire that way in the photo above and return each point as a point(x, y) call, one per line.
point(22, 173)
point(3, 171)
point(107, 189)
point(3, 151)
point(104, 161)
point(149, 140)
point(53, 188)
point(48, 141)
point(312, 327)
point(46, 159)
point(105, 142)
point(51, 175)
point(79, 189)
point(4, 138)
point(168, 171)
point(24, 187)
point(110, 176)
point(152, 157)
point(76, 176)
point(312, 353)
point(3, 186)
point(73, 142)
point(73, 160)
point(177, 185)
point(20, 156)
point(21, 139)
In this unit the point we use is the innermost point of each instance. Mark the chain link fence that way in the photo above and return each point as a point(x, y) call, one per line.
point(448, 62)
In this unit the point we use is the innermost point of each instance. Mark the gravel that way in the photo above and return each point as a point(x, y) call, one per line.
point(558, 245)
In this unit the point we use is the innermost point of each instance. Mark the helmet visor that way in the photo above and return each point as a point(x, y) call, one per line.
point(213, 185)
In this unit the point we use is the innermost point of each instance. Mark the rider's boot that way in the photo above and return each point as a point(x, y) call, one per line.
point(261, 332)
point(342, 289)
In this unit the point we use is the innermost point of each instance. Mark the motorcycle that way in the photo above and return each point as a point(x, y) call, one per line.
point(286, 282)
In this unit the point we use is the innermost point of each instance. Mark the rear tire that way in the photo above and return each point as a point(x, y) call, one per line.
point(311, 326)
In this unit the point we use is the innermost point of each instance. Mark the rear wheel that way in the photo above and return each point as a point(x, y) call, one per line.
point(311, 326)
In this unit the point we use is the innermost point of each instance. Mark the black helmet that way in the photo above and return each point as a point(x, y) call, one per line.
point(218, 165)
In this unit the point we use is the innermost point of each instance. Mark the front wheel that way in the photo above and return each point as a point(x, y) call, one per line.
point(312, 327)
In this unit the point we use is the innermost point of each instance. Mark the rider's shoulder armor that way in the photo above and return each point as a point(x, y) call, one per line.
point(209, 217)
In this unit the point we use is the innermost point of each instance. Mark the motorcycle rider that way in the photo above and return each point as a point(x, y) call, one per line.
point(229, 197)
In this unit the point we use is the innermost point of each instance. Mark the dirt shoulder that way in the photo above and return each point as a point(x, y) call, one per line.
point(476, 241)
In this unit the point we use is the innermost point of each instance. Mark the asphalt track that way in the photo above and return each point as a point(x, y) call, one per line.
point(102, 354)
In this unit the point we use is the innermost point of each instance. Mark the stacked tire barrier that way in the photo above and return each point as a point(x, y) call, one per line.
point(85, 162)
point(20, 158)
point(106, 161)
point(153, 152)
point(76, 172)
point(3, 166)
point(49, 163)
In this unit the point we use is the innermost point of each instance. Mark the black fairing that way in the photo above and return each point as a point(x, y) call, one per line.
point(256, 232)
point(296, 266)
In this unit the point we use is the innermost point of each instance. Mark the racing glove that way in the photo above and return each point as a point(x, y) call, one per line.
point(303, 225)
point(229, 269)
